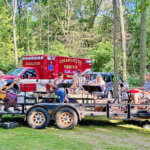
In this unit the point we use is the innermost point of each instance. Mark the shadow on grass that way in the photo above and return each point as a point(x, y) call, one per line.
point(105, 123)
point(20, 120)
point(86, 122)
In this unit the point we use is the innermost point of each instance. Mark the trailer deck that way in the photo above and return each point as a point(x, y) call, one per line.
point(66, 115)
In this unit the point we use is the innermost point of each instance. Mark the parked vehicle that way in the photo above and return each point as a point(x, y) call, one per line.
point(108, 78)
point(44, 68)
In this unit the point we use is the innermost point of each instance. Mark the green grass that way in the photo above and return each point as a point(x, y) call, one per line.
point(92, 133)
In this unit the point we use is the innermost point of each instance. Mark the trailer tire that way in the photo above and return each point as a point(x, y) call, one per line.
point(66, 118)
point(38, 118)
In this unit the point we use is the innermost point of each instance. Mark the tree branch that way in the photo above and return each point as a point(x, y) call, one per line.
point(8, 4)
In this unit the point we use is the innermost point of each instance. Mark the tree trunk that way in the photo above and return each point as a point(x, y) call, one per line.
point(68, 16)
point(96, 8)
point(123, 35)
point(143, 44)
point(48, 29)
point(41, 26)
point(28, 38)
point(14, 4)
point(115, 50)
point(19, 4)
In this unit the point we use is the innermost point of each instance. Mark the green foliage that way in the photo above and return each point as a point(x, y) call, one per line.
point(102, 57)
point(133, 35)
point(75, 29)
point(104, 28)
point(58, 49)
point(134, 81)
point(6, 38)
point(7, 60)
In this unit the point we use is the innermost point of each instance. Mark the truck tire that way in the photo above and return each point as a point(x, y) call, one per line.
point(66, 118)
point(38, 118)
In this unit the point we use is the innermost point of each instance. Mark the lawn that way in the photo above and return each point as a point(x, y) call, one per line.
point(92, 133)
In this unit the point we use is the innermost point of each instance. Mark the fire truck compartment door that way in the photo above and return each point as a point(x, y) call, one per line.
point(28, 85)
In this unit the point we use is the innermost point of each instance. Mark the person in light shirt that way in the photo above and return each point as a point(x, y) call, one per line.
point(98, 81)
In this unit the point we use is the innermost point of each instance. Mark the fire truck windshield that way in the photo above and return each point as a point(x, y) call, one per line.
point(16, 72)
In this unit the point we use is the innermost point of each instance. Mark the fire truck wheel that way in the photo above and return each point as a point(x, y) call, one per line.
point(38, 118)
point(66, 118)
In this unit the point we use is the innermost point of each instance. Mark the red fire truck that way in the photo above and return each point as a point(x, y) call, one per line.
point(44, 68)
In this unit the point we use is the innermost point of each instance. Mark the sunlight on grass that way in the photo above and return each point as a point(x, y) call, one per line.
point(134, 127)
point(115, 121)
point(92, 133)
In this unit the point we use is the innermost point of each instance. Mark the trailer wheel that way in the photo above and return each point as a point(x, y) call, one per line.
point(38, 118)
point(66, 118)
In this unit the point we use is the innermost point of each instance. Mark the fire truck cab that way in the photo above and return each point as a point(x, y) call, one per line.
point(44, 68)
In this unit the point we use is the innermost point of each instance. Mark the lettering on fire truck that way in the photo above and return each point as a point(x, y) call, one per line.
point(32, 63)
point(70, 60)
point(71, 66)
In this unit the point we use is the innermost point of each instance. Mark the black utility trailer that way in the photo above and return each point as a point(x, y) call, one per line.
point(38, 111)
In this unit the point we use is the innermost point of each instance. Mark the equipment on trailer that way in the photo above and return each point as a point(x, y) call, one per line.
point(10, 125)
point(39, 111)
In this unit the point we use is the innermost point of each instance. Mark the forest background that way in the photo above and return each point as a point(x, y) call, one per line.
point(75, 28)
